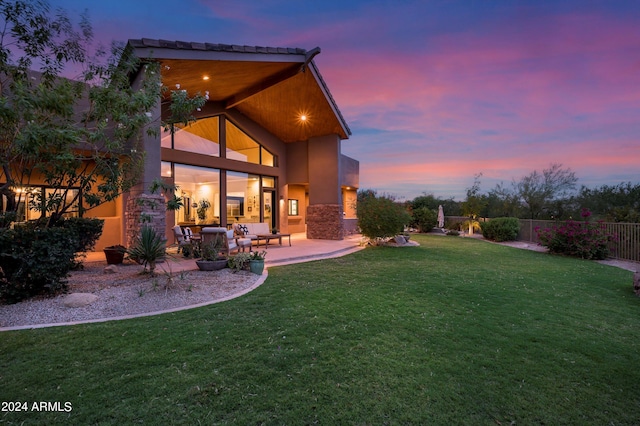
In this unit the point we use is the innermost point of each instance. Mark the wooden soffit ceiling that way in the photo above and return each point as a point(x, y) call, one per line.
point(274, 94)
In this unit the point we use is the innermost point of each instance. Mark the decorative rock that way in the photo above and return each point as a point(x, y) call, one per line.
point(110, 269)
point(400, 240)
point(636, 283)
point(78, 300)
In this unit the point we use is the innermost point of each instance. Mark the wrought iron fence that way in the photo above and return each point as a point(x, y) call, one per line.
point(626, 247)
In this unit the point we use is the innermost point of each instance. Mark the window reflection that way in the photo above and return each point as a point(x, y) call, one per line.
point(202, 137)
point(199, 188)
point(243, 197)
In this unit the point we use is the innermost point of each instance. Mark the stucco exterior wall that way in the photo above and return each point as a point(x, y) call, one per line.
point(297, 223)
point(298, 162)
point(324, 170)
point(349, 172)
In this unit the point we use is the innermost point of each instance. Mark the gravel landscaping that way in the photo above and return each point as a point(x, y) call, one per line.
point(127, 292)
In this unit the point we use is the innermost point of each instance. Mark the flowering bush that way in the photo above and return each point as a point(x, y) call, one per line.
point(581, 239)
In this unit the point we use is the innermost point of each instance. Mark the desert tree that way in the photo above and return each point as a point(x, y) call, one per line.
point(80, 136)
point(546, 191)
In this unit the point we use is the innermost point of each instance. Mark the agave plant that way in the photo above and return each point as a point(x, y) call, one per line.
point(148, 248)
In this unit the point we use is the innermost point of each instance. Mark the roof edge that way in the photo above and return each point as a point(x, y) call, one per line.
point(214, 47)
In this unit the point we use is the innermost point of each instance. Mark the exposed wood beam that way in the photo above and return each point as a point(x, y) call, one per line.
point(271, 81)
point(261, 86)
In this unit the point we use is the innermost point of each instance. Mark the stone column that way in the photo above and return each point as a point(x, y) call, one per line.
point(141, 210)
point(324, 221)
point(324, 213)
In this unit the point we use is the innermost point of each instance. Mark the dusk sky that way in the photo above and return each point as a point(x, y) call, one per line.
point(437, 91)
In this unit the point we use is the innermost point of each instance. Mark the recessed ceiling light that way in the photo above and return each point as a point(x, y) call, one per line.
point(206, 77)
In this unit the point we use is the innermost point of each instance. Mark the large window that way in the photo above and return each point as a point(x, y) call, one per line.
point(199, 188)
point(242, 148)
point(243, 197)
point(202, 137)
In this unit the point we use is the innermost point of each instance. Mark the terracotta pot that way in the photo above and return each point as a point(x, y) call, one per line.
point(114, 256)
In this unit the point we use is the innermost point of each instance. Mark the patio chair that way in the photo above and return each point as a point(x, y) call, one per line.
point(229, 241)
point(180, 238)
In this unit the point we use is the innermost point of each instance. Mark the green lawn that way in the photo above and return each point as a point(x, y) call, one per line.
point(457, 331)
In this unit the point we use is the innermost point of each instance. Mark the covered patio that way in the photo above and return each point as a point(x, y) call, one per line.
point(302, 249)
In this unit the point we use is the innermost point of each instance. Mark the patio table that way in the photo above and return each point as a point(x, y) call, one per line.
point(269, 237)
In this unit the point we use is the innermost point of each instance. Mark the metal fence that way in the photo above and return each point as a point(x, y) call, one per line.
point(626, 247)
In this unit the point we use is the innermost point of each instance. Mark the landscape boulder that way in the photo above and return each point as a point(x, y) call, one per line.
point(78, 300)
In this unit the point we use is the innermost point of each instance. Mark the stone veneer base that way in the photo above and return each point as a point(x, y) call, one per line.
point(325, 222)
point(152, 207)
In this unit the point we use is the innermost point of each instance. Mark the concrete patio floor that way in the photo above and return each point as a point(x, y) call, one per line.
point(301, 250)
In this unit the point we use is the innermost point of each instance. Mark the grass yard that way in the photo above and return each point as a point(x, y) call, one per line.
point(457, 331)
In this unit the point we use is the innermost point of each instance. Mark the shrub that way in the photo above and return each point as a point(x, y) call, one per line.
point(425, 219)
point(240, 261)
point(501, 229)
point(35, 261)
point(88, 230)
point(380, 217)
point(453, 224)
point(580, 239)
point(148, 248)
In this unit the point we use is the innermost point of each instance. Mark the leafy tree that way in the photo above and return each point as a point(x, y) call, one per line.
point(425, 200)
point(474, 203)
point(502, 202)
point(380, 216)
point(618, 203)
point(424, 218)
point(547, 191)
point(80, 137)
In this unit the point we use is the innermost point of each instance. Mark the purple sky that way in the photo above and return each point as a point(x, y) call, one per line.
point(438, 91)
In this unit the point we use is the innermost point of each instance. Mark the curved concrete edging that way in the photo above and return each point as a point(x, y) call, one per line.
point(258, 283)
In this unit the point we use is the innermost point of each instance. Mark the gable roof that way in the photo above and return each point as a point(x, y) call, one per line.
point(273, 86)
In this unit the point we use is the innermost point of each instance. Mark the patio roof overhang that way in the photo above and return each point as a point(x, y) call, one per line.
point(274, 87)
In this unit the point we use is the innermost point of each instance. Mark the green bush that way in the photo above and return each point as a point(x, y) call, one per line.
point(501, 229)
point(35, 261)
point(380, 217)
point(453, 224)
point(240, 261)
point(424, 218)
point(88, 230)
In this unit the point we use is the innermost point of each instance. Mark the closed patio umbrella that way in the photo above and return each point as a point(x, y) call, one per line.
point(440, 217)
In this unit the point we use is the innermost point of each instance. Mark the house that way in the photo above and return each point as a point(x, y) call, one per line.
point(266, 146)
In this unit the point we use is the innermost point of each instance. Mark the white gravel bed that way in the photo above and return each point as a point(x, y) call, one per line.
point(128, 292)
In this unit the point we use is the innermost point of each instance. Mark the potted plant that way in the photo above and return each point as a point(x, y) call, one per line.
point(211, 259)
point(203, 206)
point(256, 261)
point(115, 254)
